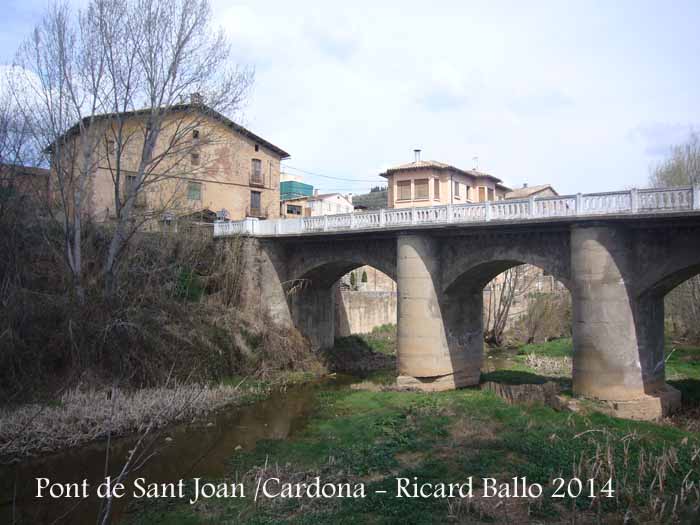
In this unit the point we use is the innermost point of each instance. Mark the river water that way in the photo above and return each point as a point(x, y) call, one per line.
point(184, 451)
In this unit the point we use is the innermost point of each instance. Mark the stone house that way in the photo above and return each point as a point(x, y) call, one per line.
point(429, 183)
point(216, 165)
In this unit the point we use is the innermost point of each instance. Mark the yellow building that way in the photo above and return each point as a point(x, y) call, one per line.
point(428, 183)
point(207, 163)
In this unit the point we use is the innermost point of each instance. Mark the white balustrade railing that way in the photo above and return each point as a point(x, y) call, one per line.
point(647, 201)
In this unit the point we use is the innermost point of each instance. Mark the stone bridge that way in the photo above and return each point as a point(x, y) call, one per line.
point(618, 258)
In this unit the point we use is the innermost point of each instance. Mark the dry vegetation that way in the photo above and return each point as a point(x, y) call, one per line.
point(81, 416)
point(176, 314)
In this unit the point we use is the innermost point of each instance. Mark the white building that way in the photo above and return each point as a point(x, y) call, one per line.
point(329, 204)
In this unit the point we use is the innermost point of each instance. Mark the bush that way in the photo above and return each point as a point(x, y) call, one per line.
point(175, 313)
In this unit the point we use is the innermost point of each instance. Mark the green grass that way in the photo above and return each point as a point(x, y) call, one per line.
point(563, 347)
point(683, 362)
point(374, 437)
point(382, 339)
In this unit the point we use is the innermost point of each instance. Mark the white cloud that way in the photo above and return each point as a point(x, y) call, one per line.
point(540, 92)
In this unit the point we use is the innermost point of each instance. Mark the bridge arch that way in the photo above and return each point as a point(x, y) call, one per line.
point(314, 269)
point(471, 262)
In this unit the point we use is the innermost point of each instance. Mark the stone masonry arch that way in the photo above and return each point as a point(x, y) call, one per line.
point(314, 268)
point(472, 261)
point(666, 258)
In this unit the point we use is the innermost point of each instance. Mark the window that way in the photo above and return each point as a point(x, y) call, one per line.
point(482, 194)
point(255, 201)
point(491, 194)
point(466, 192)
point(457, 189)
point(194, 191)
point(195, 134)
point(421, 189)
point(403, 190)
point(257, 147)
point(293, 209)
point(194, 159)
point(130, 184)
point(436, 189)
point(256, 171)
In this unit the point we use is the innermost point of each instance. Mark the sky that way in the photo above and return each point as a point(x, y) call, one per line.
point(586, 96)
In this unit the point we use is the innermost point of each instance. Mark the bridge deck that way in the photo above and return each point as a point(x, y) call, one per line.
point(631, 203)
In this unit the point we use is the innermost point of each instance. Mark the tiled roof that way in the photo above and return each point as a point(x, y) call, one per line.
point(433, 164)
point(322, 196)
point(203, 108)
point(527, 191)
point(422, 164)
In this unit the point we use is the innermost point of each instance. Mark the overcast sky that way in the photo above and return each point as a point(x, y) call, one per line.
point(585, 96)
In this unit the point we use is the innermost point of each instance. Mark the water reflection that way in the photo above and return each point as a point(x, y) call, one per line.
point(193, 450)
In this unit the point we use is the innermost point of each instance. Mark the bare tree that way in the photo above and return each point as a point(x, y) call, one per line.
point(547, 315)
point(55, 85)
point(108, 88)
point(682, 168)
point(178, 63)
point(502, 292)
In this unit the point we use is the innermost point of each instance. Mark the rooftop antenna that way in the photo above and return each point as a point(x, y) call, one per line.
point(475, 160)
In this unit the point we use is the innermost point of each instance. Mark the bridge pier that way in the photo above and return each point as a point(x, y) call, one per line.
point(618, 338)
point(431, 345)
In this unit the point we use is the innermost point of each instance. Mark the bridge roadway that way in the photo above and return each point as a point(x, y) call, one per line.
point(618, 253)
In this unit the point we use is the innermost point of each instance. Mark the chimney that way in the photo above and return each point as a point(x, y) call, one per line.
point(315, 192)
point(196, 99)
point(349, 197)
point(416, 153)
point(524, 184)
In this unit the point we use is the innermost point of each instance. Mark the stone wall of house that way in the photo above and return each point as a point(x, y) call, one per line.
point(222, 172)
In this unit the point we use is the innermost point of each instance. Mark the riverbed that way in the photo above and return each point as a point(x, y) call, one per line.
point(183, 451)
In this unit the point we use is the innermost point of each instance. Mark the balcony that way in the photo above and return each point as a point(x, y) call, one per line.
point(256, 212)
point(257, 179)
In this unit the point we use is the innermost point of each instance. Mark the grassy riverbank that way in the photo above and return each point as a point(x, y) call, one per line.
point(375, 437)
point(682, 360)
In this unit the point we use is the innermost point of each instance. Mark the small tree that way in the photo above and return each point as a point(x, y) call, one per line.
point(682, 168)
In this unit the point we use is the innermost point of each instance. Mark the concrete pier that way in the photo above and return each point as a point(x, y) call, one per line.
point(618, 338)
point(430, 356)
